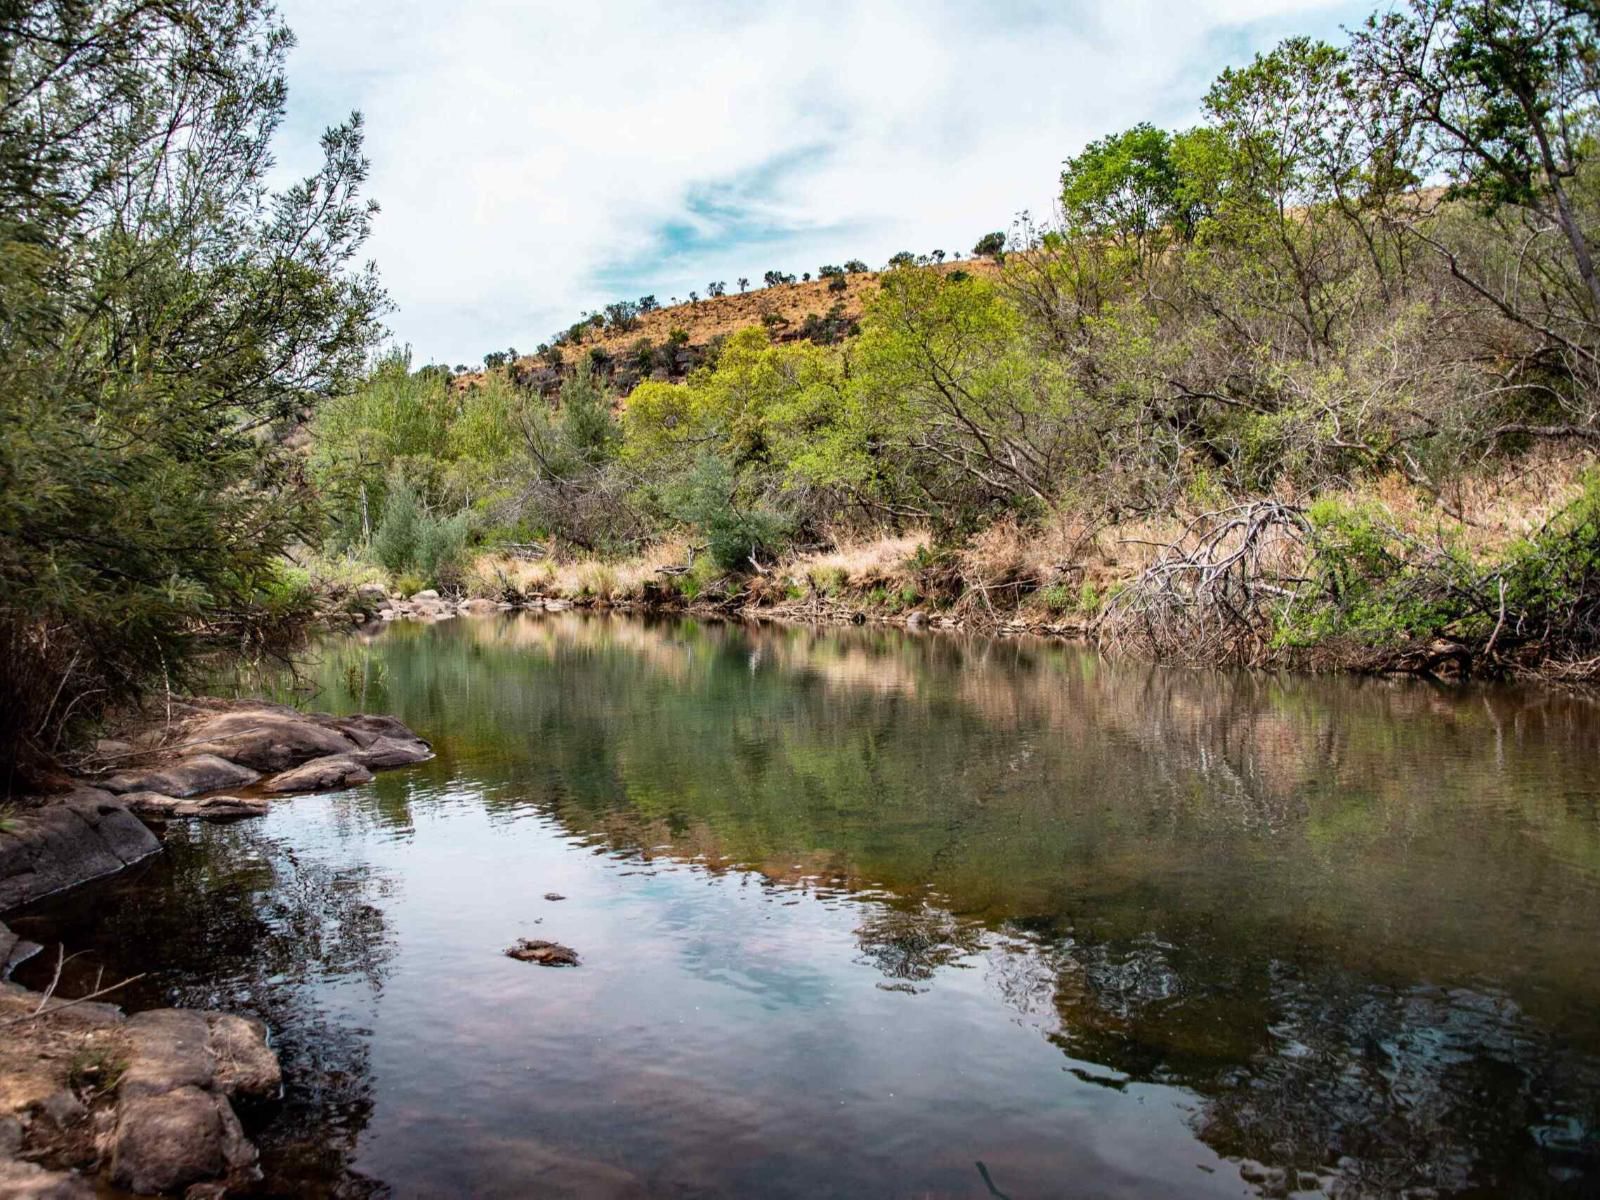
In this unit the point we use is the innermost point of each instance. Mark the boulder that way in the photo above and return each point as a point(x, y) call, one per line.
point(186, 777)
point(366, 728)
point(425, 594)
point(372, 591)
point(479, 607)
point(321, 774)
point(168, 1048)
point(85, 835)
point(267, 741)
point(168, 1141)
point(246, 1067)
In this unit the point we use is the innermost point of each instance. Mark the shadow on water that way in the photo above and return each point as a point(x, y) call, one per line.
point(1152, 932)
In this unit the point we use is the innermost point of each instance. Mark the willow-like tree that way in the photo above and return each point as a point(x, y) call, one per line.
point(165, 320)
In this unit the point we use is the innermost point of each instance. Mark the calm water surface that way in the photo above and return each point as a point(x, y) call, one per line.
point(869, 915)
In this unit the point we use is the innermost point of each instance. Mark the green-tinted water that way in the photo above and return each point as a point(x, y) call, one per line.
point(870, 915)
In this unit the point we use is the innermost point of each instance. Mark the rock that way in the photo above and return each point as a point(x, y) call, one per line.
point(208, 808)
point(187, 777)
point(372, 591)
point(30, 1181)
point(393, 752)
point(479, 607)
point(167, 1141)
point(10, 1137)
point(111, 748)
point(245, 1064)
point(365, 728)
point(320, 774)
point(545, 954)
point(425, 594)
point(268, 741)
point(85, 835)
point(175, 1125)
point(168, 1048)
point(554, 896)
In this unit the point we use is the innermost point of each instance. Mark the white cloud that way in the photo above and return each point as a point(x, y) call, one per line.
point(533, 160)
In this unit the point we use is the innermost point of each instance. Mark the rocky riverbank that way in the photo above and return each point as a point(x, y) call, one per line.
point(206, 758)
point(146, 1102)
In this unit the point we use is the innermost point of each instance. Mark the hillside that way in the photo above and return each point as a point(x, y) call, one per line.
point(784, 307)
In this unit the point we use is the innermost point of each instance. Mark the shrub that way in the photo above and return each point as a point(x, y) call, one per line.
point(411, 541)
point(394, 543)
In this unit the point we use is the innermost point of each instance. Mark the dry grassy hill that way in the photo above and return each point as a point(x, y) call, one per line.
point(784, 308)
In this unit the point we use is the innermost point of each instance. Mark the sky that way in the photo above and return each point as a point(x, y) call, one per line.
point(536, 160)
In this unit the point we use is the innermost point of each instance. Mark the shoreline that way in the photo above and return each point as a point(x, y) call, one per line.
point(146, 1101)
point(1437, 660)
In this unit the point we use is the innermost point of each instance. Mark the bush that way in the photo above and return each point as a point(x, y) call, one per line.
point(734, 533)
point(413, 542)
point(394, 543)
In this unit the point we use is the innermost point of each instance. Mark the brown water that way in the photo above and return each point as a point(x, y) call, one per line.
point(870, 915)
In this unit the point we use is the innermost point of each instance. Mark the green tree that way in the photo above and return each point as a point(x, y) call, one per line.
point(1506, 95)
point(166, 322)
point(1126, 187)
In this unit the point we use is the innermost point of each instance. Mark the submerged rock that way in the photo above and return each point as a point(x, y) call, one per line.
point(545, 954)
point(554, 896)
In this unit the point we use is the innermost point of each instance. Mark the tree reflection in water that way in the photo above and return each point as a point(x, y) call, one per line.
point(229, 919)
point(1354, 921)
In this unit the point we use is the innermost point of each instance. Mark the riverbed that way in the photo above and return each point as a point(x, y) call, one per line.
point(862, 913)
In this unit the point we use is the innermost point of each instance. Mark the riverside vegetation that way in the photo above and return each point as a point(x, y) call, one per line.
point(1313, 383)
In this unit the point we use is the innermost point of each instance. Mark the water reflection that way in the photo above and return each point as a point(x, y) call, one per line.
point(229, 919)
point(1341, 931)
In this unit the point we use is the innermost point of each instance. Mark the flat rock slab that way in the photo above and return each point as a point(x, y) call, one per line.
point(87, 834)
point(265, 740)
point(187, 777)
point(207, 808)
point(543, 953)
point(321, 774)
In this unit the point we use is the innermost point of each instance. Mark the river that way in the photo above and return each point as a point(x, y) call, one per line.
point(869, 914)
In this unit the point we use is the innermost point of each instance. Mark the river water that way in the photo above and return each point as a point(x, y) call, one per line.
point(863, 914)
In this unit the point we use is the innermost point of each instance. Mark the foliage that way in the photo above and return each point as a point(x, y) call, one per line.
point(167, 322)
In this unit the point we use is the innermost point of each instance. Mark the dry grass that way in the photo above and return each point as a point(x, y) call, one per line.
point(863, 563)
point(622, 579)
